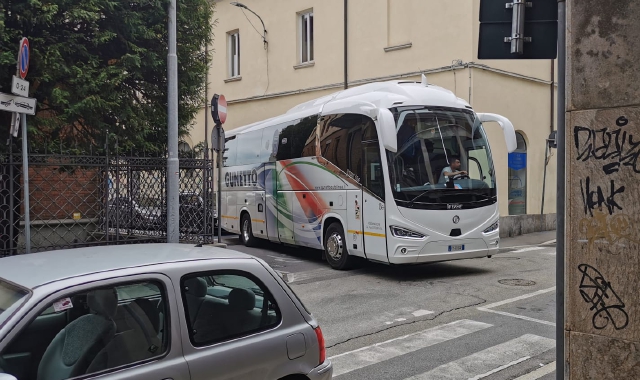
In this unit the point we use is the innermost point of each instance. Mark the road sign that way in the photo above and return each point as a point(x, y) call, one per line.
point(217, 135)
point(219, 108)
point(518, 29)
point(19, 86)
point(23, 57)
point(19, 104)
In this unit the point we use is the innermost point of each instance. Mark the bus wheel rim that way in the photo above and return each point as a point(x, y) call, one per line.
point(245, 229)
point(334, 246)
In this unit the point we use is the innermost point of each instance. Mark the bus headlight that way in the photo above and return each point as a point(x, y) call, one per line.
point(405, 233)
point(491, 228)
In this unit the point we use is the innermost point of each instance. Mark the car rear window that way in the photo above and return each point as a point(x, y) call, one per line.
point(11, 298)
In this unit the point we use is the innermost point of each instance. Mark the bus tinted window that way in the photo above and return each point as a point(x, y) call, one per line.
point(297, 138)
point(230, 150)
point(269, 148)
point(250, 144)
point(341, 138)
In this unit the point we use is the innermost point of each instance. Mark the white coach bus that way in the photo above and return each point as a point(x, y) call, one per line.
point(394, 172)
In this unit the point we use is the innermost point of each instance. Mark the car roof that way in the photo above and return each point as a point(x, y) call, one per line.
point(36, 269)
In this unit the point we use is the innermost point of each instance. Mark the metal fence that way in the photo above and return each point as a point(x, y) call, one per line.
point(80, 201)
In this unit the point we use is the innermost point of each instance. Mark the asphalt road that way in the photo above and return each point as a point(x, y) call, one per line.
point(490, 318)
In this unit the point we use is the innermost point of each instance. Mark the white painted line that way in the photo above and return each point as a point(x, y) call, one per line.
point(549, 242)
point(400, 319)
point(500, 368)
point(420, 313)
point(517, 316)
point(538, 373)
point(379, 352)
point(528, 249)
point(388, 323)
point(514, 299)
point(315, 273)
point(490, 360)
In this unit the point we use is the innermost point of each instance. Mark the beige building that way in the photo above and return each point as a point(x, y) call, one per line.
point(304, 58)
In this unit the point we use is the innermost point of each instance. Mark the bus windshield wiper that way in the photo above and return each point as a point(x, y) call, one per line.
point(418, 196)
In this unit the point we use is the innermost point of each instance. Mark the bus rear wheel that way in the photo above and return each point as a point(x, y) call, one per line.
point(246, 233)
point(335, 248)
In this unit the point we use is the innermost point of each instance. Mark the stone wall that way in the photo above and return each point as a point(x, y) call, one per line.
point(516, 225)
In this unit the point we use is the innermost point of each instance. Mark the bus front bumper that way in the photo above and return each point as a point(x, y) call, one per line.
point(409, 252)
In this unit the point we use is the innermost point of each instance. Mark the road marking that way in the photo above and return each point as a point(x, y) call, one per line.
point(420, 313)
point(538, 373)
point(488, 307)
point(522, 297)
point(518, 316)
point(528, 249)
point(311, 274)
point(491, 360)
point(379, 352)
point(486, 374)
point(400, 319)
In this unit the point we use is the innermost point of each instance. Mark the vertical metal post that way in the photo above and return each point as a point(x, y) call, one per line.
point(544, 177)
point(173, 163)
point(12, 195)
point(560, 192)
point(517, 27)
point(220, 153)
point(346, 57)
point(25, 180)
point(108, 192)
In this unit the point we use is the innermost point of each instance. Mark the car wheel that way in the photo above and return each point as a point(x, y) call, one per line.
point(246, 234)
point(335, 248)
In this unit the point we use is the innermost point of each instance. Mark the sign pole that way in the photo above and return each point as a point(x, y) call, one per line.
point(25, 180)
point(220, 152)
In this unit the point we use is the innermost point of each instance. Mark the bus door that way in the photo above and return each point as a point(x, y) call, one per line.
point(373, 213)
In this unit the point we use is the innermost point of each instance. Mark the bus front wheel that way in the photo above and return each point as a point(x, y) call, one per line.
point(335, 248)
point(246, 233)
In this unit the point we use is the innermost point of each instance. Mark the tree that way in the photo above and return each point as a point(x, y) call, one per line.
point(99, 67)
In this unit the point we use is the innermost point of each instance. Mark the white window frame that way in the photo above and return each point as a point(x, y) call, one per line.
point(304, 23)
point(234, 59)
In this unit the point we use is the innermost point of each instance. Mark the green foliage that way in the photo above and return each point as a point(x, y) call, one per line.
point(99, 67)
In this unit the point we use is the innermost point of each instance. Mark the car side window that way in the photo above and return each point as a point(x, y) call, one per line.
point(223, 305)
point(91, 332)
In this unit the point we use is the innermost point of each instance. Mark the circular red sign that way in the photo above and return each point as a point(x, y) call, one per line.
point(222, 109)
point(23, 57)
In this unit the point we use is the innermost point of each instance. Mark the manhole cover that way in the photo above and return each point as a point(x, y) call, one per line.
point(517, 282)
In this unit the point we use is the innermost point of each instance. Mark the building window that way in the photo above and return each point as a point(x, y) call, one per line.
point(518, 177)
point(306, 37)
point(234, 54)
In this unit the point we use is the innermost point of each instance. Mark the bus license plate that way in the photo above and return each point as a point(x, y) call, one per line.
point(456, 248)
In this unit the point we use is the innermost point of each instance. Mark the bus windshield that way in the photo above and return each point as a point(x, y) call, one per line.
point(443, 158)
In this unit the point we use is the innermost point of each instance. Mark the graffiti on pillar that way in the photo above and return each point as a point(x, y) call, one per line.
point(608, 308)
point(615, 148)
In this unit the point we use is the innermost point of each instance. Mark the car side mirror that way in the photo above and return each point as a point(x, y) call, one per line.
point(6, 376)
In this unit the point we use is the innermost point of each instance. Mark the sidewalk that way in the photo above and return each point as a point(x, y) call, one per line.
point(545, 238)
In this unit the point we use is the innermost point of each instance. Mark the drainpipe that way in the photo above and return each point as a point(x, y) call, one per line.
point(346, 83)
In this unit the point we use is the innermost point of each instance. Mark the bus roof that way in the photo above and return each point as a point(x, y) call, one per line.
point(379, 94)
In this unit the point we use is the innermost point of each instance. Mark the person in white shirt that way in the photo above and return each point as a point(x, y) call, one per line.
point(451, 171)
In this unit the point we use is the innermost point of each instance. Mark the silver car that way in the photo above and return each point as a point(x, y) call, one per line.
point(154, 311)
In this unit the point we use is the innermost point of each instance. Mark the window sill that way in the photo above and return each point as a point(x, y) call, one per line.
point(234, 79)
point(304, 65)
point(397, 47)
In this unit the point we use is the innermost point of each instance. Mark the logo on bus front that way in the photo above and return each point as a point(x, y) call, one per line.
point(454, 206)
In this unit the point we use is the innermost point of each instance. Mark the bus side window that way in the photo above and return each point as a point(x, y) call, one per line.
point(250, 152)
point(230, 150)
point(297, 139)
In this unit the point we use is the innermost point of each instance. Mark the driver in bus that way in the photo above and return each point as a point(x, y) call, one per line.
point(452, 171)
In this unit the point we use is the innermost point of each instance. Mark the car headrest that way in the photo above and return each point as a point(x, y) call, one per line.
point(196, 287)
point(242, 299)
point(103, 302)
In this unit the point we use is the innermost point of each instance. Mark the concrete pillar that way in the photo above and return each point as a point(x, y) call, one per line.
point(602, 323)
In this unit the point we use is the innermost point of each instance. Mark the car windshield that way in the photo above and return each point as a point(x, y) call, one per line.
point(443, 157)
point(11, 298)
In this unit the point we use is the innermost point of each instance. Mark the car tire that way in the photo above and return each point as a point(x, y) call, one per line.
point(246, 232)
point(335, 248)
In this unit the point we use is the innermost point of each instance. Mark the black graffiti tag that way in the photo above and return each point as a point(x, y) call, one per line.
point(617, 146)
point(595, 198)
point(597, 291)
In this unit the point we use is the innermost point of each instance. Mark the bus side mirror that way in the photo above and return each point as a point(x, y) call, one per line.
point(387, 130)
point(507, 128)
